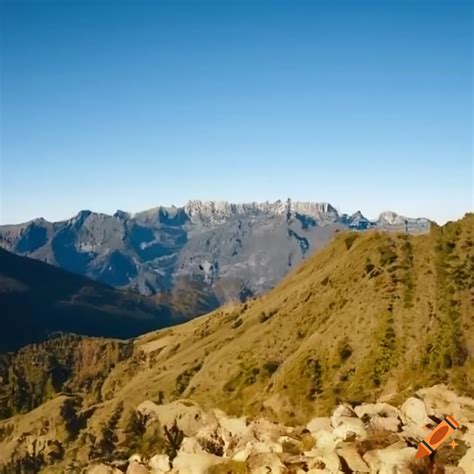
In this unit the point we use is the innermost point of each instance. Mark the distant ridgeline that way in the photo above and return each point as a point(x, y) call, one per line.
point(194, 257)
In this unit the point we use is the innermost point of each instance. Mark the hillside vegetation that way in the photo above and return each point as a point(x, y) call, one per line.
point(372, 316)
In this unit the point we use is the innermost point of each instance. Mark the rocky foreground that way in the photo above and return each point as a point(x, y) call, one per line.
point(368, 438)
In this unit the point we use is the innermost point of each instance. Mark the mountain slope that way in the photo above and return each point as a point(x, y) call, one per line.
point(224, 251)
point(373, 314)
point(37, 299)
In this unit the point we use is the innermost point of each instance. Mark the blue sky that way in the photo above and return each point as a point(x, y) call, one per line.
point(128, 105)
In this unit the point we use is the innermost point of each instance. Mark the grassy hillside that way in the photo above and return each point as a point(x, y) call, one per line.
point(373, 315)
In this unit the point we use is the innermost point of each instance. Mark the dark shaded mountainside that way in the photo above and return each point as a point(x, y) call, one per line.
point(37, 299)
point(371, 316)
point(198, 256)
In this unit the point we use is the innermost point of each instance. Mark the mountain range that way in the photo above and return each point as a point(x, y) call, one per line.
point(195, 257)
point(371, 316)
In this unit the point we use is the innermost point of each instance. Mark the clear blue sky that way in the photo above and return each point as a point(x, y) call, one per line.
point(108, 104)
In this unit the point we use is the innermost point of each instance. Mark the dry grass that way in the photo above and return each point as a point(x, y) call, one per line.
point(340, 332)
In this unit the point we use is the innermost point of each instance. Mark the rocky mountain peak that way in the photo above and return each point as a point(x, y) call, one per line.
point(391, 218)
point(122, 215)
point(221, 210)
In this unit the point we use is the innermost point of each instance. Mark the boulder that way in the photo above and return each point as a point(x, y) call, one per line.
point(413, 433)
point(199, 463)
point(290, 445)
point(392, 459)
point(318, 424)
point(468, 435)
point(268, 446)
point(454, 470)
point(102, 469)
point(467, 461)
point(235, 427)
point(371, 410)
point(395, 459)
point(241, 455)
point(440, 401)
point(413, 411)
point(349, 429)
point(353, 459)
point(324, 462)
point(137, 468)
point(379, 423)
point(265, 430)
point(326, 440)
point(191, 446)
point(160, 464)
point(265, 463)
point(371, 458)
point(189, 416)
point(342, 411)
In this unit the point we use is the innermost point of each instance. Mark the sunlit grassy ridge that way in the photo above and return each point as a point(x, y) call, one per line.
point(372, 315)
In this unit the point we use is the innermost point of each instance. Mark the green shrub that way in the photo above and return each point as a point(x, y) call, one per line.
point(345, 351)
point(237, 323)
point(271, 367)
point(184, 378)
point(174, 438)
point(315, 371)
point(349, 240)
point(266, 316)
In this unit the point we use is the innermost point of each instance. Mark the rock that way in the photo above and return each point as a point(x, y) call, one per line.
point(290, 445)
point(454, 470)
point(102, 469)
point(379, 423)
point(236, 427)
point(413, 411)
point(265, 430)
point(318, 424)
point(349, 429)
point(191, 446)
point(371, 410)
point(189, 416)
point(342, 411)
point(160, 464)
point(468, 436)
point(396, 459)
point(268, 446)
point(440, 401)
point(325, 441)
point(353, 459)
point(325, 462)
point(242, 455)
point(413, 433)
point(136, 468)
point(467, 461)
point(371, 458)
point(391, 459)
point(265, 463)
point(199, 463)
